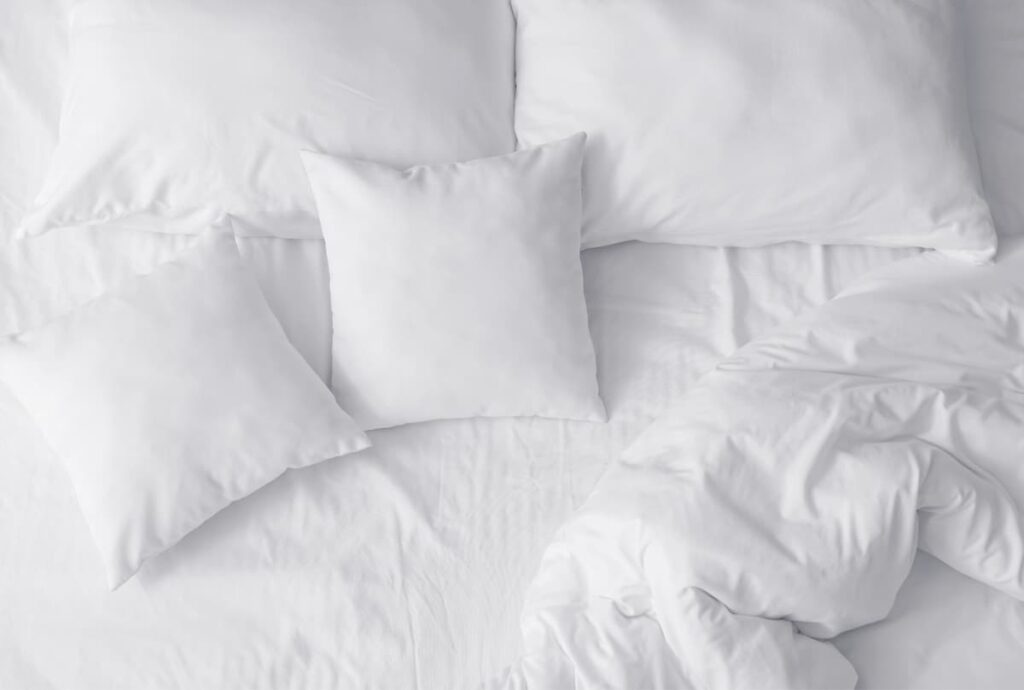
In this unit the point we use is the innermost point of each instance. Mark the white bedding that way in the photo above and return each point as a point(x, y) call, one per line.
point(404, 566)
point(782, 500)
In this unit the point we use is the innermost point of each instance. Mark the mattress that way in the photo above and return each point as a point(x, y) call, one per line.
point(405, 565)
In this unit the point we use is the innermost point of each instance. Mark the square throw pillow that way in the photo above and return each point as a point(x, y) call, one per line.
point(171, 397)
point(457, 290)
point(178, 111)
point(731, 122)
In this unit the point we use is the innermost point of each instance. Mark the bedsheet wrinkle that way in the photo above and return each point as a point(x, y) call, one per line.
point(782, 500)
point(403, 566)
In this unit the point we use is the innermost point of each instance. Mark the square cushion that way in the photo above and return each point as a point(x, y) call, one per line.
point(178, 111)
point(457, 290)
point(170, 397)
point(731, 122)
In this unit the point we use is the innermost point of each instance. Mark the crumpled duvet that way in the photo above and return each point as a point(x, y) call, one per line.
point(782, 501)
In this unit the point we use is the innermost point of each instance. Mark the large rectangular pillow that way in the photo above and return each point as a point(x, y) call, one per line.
point(733, 122)
point(457, 290)
point(170, 397)
point(178, 111)
point(995, 30)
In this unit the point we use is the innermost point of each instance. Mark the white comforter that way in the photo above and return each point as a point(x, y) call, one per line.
point(782, 501)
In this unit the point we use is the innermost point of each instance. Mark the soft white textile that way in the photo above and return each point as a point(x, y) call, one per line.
point(170, 397)
point(403, 565)
point(457, 289)
point(185, 109)
point(746, 123)
point(33, 42)
point(945, 631)
point(995, 43)
point(269, 594)
point(783, 499)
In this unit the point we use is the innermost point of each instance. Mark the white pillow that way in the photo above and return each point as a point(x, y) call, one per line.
point(169, 398)
point(457, 290)
point(996, 80)
point(178, 111)
point(731, 122)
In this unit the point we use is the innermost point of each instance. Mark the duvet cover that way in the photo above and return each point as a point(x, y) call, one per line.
point(782, 501)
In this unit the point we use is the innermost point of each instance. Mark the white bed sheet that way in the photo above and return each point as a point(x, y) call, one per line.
point(403, 566)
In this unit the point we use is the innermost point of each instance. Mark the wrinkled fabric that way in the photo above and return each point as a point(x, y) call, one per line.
point(781, 502)
point(402, 566)
point(406, 567)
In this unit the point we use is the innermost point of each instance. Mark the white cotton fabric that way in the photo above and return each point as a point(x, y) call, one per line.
point(457, 290)
point(33, 41)
point(169, 398)
point(783, 499)
point(995, 42)
point(183, 110)
point(271, 594)
point(404, 564)
point(435, 532)
point(746, 123)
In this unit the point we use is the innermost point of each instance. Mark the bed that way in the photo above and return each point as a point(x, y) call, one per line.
point(404, 565)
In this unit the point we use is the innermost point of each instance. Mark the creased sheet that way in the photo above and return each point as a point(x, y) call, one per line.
point(400, 567)
point(782, 501)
